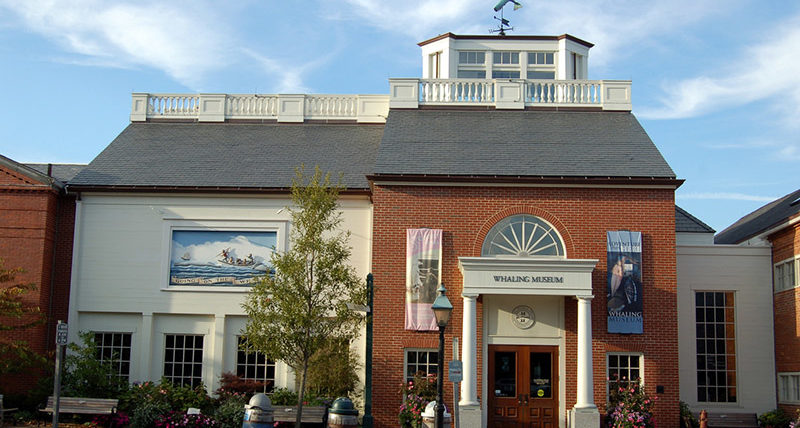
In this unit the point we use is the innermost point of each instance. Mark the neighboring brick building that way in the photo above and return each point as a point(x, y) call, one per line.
point(36, 232)
point(778, 224)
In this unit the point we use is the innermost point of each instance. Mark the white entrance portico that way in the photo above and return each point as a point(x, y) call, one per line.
point(527, 276)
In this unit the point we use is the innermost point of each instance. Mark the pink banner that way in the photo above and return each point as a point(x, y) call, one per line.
point(423, 267)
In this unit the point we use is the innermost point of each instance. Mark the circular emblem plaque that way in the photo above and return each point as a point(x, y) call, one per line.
point(523, 317)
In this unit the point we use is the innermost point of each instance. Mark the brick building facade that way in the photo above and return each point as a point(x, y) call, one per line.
point(582, 215)
point(36, 236)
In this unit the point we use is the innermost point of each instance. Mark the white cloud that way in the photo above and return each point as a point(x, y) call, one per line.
point(725, 196)
point(181, 41)
point(186, 40)
point(765, 70)
point(615, 27)
point(421, 19)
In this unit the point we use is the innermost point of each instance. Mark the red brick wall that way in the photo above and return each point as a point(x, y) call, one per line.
point(786, 244)
point(582, 216)
point(29, 228)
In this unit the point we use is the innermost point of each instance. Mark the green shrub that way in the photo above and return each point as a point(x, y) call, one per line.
point(149, 401)
point(230, 411)
point(687, 418)
point(86, 376)
point(283, 397)
point(145, 414)
point(333, 371)
point(774, 418)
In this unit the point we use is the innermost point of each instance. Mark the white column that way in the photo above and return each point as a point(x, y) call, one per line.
point(469, 408)
point(146, 349)
point(469, 353)
point(585, 413)
point(585, 373)
point(218, 352)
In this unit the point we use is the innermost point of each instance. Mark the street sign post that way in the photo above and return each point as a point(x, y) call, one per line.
point(62, 335)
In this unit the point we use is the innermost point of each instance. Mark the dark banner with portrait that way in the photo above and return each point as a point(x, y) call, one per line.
point(423, 264)
point(624, 254)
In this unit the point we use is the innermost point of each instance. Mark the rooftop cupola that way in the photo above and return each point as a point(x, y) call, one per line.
point(508, 72)
point(452, 56)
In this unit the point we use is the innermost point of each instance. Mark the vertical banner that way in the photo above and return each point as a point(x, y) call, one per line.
point(624, 282)
point(423, 267)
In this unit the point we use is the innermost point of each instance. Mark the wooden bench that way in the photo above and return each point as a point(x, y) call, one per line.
point(3, 411)
point(82, 406)
point(311, 414)
point(731, 420)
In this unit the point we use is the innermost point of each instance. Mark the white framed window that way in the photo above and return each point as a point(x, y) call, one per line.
point(472, 57)
point(786, 274)
point(183, 359)
point(623, 368)
point(471, 65)
point(422, 361)
point(254, 365)
point(789, 388)
point(541, 58)
point(115, 348)
point(505, 58)
point(471, 74)
point(715, 329)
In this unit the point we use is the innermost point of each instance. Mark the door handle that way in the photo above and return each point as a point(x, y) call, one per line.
point(519, 399)
point(526, 399)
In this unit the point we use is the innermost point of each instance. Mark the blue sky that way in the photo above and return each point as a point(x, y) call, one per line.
point(716, 84)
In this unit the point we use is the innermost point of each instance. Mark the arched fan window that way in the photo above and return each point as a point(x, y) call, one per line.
point(523, 235)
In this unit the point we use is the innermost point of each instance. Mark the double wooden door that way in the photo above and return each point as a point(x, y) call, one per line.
point(523, 386)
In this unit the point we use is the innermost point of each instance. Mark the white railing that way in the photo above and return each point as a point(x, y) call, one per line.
point(578, 92)
point(181, 105)
point(473, 91)
point(281, 108)
point(511, 93)
point(251, 106)
point(331, 107)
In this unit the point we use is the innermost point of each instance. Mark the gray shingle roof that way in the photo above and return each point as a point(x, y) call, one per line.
point(685, 222)
point(63, 172)
point(760, 220)
point(234, 155)
point(518, 143)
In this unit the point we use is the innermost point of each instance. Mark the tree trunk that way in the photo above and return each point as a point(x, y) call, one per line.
point(301, 396)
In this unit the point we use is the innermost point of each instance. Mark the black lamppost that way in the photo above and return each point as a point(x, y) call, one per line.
point(442, 308)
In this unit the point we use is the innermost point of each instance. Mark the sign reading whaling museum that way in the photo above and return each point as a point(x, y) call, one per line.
point(624, 253)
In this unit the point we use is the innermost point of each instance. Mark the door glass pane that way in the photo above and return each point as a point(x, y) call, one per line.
point(541, 375)
point(505, 374)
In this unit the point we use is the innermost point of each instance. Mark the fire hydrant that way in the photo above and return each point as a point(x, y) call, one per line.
point(703, 419)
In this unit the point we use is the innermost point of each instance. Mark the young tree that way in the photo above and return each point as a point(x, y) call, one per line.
point(16, 313)
point(299, 309)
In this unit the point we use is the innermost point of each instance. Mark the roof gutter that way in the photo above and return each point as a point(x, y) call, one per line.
point(196, 189)
point(543, 180)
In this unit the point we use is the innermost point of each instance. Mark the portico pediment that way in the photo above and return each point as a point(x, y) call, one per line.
point(527, 276)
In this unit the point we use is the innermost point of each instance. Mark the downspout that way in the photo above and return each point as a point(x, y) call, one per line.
point(48, 333)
